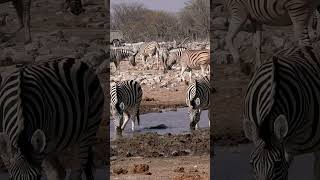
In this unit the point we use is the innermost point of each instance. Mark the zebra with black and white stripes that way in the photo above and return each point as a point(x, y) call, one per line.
point(174, 56)
point(197, 99)
point(46, 108)
point(194, 59)
point(281, 112)
point(125, 102)
point(119, 54)
point(149, 50)
point(269, 12)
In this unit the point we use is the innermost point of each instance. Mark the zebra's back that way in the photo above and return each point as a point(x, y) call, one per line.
point(290, 86)
point(194, 58)
point(64, 99)
point(149, 48)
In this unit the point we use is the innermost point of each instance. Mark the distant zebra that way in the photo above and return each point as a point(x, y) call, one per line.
point(269, 12)
point(46, 109)
point(22, 8)
point(174, 55)
point(281, 112)
point(163, 56)
point(194, 59)
point(118, 54)
point(125, 102)
point(148, 50)
point(197, 99)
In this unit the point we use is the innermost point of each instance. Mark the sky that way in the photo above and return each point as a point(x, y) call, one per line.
point(165, 5)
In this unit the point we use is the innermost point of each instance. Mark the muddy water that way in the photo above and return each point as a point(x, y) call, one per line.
point(99, 175)
point(231, 163)
point(176, 121)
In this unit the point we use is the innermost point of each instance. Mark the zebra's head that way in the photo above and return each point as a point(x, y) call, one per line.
point(117, 110)
point(194, 112)
point(268, 160)
point(132, 59)
point(18, 164)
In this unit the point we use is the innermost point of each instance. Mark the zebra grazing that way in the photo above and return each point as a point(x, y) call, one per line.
point(281, 112)
point(45, 109)
point(148, 50)
point(269, 12)
point(22, 8)
point(174, 55)
point(118, 54)
point(194, 59)
point(163, 56)
point(126, 97)
point(197, 99)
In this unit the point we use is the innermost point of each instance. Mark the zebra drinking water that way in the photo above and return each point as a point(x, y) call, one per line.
point(281, 112)
point(197, 99)
point(45, 109)
point(125, 102)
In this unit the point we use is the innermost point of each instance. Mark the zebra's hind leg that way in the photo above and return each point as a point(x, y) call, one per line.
point(316, 165)
point(86, 155)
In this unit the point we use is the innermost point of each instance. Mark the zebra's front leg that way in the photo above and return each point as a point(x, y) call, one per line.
point(238, 19)
point(183, 69)
point(300, 23)
point(190, 76)
point(316, 165)
point(126, 117)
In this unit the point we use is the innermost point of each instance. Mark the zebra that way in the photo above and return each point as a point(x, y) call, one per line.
point(118, 54)
point(281, 112)
point(193, 59)
point(269, 12)
point(197, 99)
point(22, 8)
point(174, 55)
point(46, 108)
point(148, 50)
point(125, 102)
point(163, 56)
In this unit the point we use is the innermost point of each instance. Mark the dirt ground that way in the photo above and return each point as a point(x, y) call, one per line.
point(177, 168)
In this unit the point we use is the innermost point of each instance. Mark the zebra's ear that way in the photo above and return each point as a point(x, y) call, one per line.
point(38, 141)
point(250, 130)
point(198, 101)
point(121, 105)
point(280, 127)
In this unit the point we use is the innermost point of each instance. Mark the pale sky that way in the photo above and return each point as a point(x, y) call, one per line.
point(165, 5)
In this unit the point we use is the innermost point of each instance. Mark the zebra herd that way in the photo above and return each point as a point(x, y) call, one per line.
point(189, 59)
point(126, 97)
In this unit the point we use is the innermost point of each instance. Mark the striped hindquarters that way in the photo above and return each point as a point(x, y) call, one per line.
point(288, 85)
point(149, 48)
point(129, 92)
point(63, 99)
point(194, 58)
